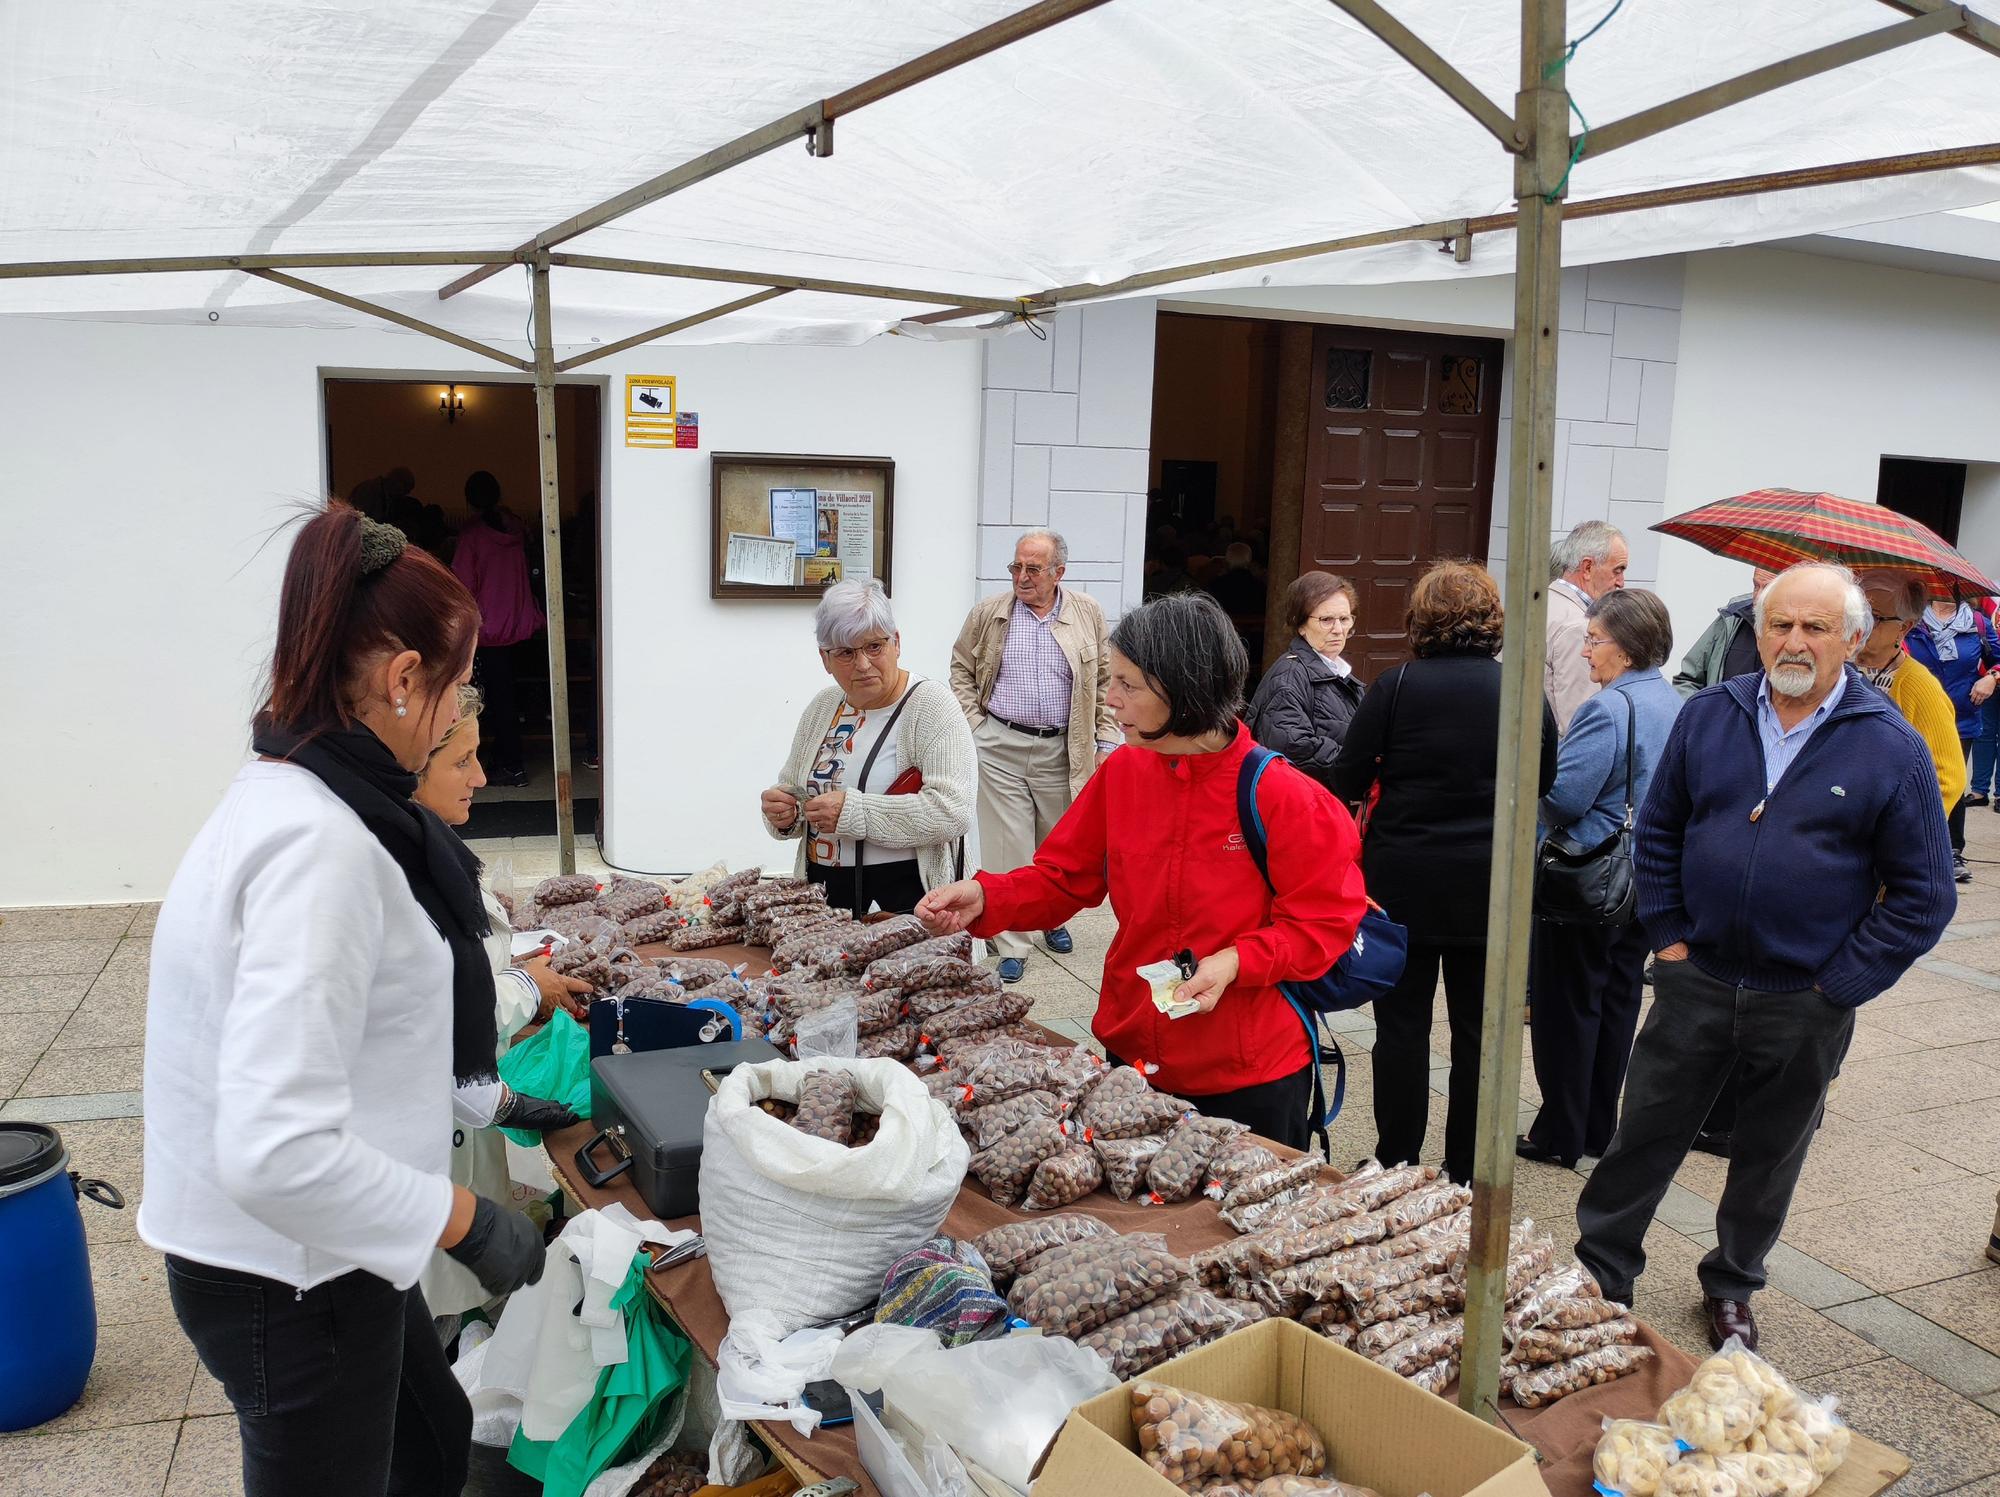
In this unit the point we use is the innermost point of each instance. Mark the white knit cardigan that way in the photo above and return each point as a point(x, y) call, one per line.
point(932, 734)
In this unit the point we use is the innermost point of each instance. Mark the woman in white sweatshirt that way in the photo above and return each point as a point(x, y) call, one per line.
point(318, 984)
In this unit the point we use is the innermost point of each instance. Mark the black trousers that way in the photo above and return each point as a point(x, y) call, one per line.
point(1587, 983)
point(1955, 822)
point(893, 887)
point(340, 1391)
point(500, 708)
point(1786, 1049)
point(1402, 1055)
point(1279, 1110)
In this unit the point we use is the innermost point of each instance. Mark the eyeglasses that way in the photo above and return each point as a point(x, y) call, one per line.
point(1886, 618)
point(872, 649)
point(1334, 621)
point(1592, 641)
point(1015, 569)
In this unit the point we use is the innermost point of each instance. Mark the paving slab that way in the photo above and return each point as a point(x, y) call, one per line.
point(143, 1371)
point(72, 1109)
point(1949, 1438)
point(1966, 1134)
point(1969, 1305)
point(128, 1462)
point(58, 992)
point(1910, 1083)
point(98, 922)
point(59, 956)
point(1899, 1241)
point(1910, 1337)
point(208, 1462)
point(67, 1072)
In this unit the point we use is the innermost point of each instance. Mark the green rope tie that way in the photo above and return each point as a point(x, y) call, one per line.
point(1583, 132)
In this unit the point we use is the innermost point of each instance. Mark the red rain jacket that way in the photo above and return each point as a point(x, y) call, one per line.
point(1160, 836)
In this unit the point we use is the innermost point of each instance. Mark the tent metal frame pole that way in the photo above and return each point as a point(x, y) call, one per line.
point(327, 260)
point(811, 122)
point(1873, 168)
point(389, 314)
point(1976, 29)
point(1543, 110)
point(654, 334)
point(552, 573)
point(788, 282)
point(1758, 81)
point(1412, 48)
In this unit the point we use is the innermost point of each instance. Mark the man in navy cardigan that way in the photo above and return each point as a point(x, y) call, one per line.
point(1792, 862)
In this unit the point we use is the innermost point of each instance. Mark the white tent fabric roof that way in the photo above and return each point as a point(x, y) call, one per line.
point(1142, 134)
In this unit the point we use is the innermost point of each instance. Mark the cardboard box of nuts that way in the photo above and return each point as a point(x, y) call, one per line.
point(1380, 1432)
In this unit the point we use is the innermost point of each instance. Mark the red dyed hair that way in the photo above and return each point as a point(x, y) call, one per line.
point(332, 621)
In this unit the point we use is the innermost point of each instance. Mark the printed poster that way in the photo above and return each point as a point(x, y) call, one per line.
point(793, 517)
point(847, 527)
point(758, 560)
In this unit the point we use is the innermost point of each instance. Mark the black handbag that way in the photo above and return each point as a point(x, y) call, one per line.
point(1591, 885)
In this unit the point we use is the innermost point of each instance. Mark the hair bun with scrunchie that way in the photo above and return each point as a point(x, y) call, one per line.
point(380, 545)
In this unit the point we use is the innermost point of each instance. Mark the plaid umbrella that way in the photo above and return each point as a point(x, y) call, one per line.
point(1774, 528)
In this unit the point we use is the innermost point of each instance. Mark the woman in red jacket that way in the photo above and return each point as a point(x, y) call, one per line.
point(1156, 829)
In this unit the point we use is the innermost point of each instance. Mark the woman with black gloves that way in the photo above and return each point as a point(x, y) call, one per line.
point(318, 984)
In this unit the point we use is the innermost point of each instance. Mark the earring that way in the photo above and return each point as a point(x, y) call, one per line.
point(401, 710)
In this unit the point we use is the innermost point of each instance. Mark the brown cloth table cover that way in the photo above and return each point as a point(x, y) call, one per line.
point(1565, 1432)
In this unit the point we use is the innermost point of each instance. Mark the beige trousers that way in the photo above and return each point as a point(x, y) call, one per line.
point(1023, 792)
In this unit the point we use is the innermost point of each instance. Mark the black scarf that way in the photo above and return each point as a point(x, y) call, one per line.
point(442, 872)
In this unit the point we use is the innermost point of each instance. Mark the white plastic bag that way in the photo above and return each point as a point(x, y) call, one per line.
point(904, 1466)
point(762, 1374)
point(805, 1229)
point(833, 1030)
point(997, 1403)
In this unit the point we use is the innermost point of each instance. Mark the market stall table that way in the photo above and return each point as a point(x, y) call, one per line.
point(1564, 1432)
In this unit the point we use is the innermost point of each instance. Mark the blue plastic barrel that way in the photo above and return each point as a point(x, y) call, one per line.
point(48, 1316)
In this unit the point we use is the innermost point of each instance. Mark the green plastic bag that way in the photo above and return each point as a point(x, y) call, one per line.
point(552, 1063)
point(624, 1413)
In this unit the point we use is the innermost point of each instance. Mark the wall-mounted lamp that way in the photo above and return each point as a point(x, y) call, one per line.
point(451, 404)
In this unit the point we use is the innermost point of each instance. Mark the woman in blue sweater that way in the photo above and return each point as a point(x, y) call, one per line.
point(1955, 644)
point(1587, 979)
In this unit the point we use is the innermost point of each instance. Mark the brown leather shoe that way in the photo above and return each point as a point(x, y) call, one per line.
point(1730, 1317)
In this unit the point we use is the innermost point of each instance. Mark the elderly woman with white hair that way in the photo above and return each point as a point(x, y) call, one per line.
point(879, 784)
point(1897, 602)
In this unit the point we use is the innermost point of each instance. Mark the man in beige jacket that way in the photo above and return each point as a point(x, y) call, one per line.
point(1583, 566)
point(1030, 670)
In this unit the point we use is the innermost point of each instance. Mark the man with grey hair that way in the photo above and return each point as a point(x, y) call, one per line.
point(1583, 566)
point(1030, 670)
point(1792, 862)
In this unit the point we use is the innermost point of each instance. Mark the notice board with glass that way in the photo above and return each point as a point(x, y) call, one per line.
point(786, 525)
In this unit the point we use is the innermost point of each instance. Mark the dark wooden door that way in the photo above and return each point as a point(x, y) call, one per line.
point(1399, 468)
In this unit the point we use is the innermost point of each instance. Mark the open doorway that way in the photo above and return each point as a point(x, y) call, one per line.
point(1928, 491)
point(408, 451)
point(1282, 447)
point(1215, 451)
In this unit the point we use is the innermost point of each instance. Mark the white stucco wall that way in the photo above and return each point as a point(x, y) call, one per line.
point(1620, 329)
point(145, 465)
point(1065, 429)
point(1802, 372)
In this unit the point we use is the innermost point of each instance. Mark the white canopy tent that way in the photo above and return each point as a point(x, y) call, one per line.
point(789, 171)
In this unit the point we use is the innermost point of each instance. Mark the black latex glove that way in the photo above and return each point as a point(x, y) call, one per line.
point(502, 1247)
point(536, 1114)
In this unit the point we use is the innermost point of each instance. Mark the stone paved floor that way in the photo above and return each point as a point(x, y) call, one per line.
point(1880, 1292)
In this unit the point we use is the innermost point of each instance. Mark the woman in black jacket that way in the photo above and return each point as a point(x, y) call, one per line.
point(1424, 744)
point(1309, 694)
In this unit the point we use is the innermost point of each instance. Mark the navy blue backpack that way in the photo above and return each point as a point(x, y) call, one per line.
point(1363, 973)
